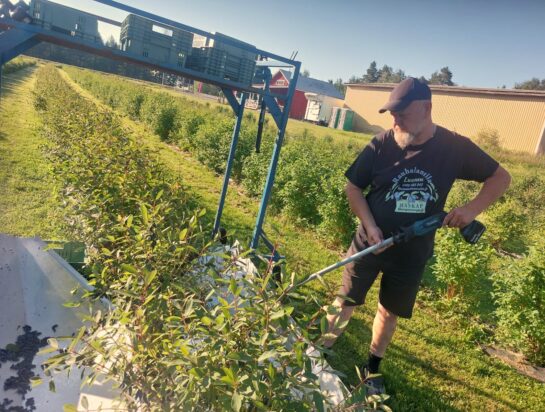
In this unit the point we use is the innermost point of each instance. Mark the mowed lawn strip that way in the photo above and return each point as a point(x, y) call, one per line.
point(430, 366)
point(28, 206)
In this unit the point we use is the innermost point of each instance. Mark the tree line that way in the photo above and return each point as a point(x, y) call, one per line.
point(443, 77)
point(387, 74)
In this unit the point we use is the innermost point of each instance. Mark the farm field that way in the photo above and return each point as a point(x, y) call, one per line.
point(432, 365)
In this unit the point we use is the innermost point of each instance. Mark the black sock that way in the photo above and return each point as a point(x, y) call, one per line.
point(373, 363)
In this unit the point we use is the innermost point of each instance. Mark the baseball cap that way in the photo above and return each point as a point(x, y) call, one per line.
point(405, 93)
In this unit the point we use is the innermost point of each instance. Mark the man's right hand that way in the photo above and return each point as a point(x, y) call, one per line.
point(375, 236)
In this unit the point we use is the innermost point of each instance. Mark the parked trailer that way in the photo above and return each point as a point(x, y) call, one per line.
point(319, 107)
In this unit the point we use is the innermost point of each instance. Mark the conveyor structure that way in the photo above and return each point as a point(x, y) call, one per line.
point(217, 59)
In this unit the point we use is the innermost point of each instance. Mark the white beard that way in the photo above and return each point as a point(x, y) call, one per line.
point(403, 139)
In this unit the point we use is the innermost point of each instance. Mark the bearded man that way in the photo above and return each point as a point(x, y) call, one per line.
point(409, 171)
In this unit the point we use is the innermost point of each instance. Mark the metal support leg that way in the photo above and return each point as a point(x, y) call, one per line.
point(274, 160)
point(262, 112)
point(230, 161)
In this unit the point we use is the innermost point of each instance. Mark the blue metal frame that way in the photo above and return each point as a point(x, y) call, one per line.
point(258, 231)
point(238, 108)
point(19, 37)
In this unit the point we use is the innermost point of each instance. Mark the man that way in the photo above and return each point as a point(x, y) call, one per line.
point(410, 170)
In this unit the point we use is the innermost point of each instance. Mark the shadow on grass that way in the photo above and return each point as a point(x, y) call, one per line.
point(404, 391)
point(408, 378)
point(12, 81)
point(349, 354)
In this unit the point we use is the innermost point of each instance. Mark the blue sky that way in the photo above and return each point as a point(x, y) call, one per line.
point(485, 43)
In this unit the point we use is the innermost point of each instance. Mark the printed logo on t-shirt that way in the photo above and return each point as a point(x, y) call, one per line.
point(412, 189)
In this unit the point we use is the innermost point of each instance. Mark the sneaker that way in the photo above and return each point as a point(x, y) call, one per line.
point(374, 383)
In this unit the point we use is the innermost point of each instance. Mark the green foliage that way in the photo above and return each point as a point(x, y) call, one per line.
point(488, 139)
point(180, 334)
point(309, 189)
point(17, 64)
point(533, 84)
point(520, 296)
point(442, 77)
point(458, 265)
point(508, 225)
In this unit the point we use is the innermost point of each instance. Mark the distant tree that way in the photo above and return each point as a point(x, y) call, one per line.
point(112, 42)
point(339, 85)
point(442, 77)
point(398, 76)
point(423, 79)
point(532, 84)
point(372, 74)
point(385, 74)
point(354, 79)
point(305, 73)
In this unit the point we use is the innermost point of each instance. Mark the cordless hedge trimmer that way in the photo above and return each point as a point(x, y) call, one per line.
point(471, 234)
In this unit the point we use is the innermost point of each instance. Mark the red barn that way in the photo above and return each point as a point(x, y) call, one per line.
point(281, 81)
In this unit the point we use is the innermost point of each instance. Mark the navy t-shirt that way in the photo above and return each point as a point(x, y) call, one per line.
point(410, 184)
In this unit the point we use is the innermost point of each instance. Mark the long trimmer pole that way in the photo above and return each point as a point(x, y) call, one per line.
point(385, 243)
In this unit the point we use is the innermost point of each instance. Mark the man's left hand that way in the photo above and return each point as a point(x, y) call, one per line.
point(459, 217)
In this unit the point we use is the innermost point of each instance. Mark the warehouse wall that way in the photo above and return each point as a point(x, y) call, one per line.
point(517, 116)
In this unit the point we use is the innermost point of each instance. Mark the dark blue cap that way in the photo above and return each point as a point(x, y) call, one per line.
point(405, 93)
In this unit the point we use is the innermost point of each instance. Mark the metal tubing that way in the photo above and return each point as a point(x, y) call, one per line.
point(262, 112)
point(274, 159)
point(119, 55)
point(185, 27)
point(230, 161)
point(385, 243)
point(14, 42)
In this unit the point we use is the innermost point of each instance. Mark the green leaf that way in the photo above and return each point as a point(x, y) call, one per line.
point(278, 314)
point(128, 268)
point(53, 343)
point(35, 381)
point(323, 325)
point(129, 221)
point(236, 402)
point(76, 339)
point(267, 355)
point(183, 234)
point(206, 320)
point(52, 387)
point(149, 277)
point(144, 212)
point(68, 407)
point(318, 401)
point(47, 350)
point(84, 402)
point(72, 304)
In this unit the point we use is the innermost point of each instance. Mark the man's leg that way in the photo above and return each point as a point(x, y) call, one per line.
point(384, 327)
point(345, 313)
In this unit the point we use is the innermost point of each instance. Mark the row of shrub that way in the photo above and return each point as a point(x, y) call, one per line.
point(17, 64)
point(308, 165)
point(309, 186)
point(163, 342)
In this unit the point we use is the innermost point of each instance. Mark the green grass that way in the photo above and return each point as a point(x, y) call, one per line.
point(430, 366)
point(27, 204)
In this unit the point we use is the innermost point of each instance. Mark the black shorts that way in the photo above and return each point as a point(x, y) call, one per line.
point(398, 286)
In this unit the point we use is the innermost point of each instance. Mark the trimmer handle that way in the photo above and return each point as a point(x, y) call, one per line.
point(471, 233)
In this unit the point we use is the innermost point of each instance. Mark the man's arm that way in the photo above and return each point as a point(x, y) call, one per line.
point(492, 189)
point(361, 209)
